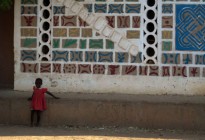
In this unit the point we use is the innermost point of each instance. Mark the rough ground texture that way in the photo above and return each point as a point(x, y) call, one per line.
point(20, 132)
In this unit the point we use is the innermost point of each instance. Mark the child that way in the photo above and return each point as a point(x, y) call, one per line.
point(38, 102)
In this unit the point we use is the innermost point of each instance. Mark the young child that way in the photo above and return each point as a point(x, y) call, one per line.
point(38, 102)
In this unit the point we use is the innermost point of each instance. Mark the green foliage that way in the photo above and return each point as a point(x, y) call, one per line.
point(5, 4)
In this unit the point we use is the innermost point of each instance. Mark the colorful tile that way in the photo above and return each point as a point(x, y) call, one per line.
point(109, 44)
point(167, 22)
point(68, 21)
point(69, 43)
point(58, 10)
point(194, 72)
point(28, 55)
point(76, 56)
point(129, 70)
point(87, 32)
point(179, 71)
point(29, 32)
point(153, 71)
point(69, 68)
point(27, 10)
point(132, 34)
point(111, 21)
point(189, 31)
point(105, 57)
point(98, 69)
point(59, 32)
point(143, 70)
point(113, 70)
point(166, 45)
point(167, 8)
point(56, 43)
point(121, 57)
point(29, 43)
point(166, 71)
point(133, 8)
point(136, 59)
point(84, 69)
point(116, 8)
point(136, 21)
point(187, 59)
point(96, 44)
point(91, 56)
point(74, 32)
point(123, 21)
point(167, 35)
point(45, 68)
point(60, 56)
point(56, 68)
point(171, 58)
point(56, 20)
point(200, 59)
point(100, 8)
point(29, 21)
point(83, 43)
point(29, 68)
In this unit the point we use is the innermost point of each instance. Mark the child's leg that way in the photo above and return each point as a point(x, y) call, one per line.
point(32, 116)
point(38, 117)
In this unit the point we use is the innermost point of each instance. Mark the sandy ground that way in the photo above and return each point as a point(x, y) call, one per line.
point(18, 132)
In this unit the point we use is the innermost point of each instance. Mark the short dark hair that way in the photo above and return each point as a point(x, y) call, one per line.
point(39, 79)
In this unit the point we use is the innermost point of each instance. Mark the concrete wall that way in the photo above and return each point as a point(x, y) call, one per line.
point(6, 45)
point(76, 56)
point(168, 112)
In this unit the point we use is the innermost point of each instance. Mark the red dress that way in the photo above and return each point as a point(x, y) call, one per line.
point(38, 99)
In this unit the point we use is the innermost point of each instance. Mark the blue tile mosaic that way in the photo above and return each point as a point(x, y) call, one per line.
point(190, 27)
point(60, 55)
point(116, 8)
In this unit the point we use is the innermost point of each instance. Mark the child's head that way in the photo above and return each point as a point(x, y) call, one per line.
point(38, 82)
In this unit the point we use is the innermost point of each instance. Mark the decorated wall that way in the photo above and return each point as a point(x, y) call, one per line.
point(111, 46)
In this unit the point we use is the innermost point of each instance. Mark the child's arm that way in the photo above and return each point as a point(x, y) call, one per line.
point(30, 98)
point(52, 95)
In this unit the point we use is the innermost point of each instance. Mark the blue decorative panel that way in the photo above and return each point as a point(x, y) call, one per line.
point(133, 8)
point(121, 57)
point(27, 55)
point(100, 8)
point(58, 10)
point(91, 56)
point(167, 8)
point(76, 56)
point(190, 27)
point(105, 57)
point(116, 8)
point(60, 55)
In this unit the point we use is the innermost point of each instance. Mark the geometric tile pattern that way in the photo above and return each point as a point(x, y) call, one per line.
point(77, 49)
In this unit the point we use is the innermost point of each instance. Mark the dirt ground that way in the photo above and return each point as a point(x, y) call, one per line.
point(18, 132)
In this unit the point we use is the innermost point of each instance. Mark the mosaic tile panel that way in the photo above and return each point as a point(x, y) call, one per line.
point(179, 39)
point(190, 27)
